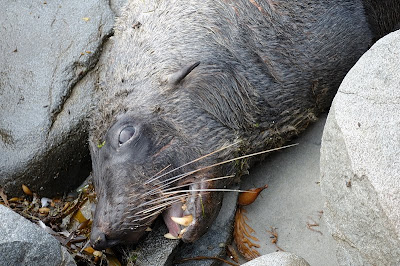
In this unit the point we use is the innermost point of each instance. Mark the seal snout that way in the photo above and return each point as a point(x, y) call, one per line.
point(99, 241)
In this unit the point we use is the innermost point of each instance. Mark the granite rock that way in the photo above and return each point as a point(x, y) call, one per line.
point(24, 243)
point(360, 159)
point(278, 259)
point(46, 50)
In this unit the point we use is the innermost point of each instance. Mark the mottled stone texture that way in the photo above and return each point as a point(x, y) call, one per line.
point(278, 259)
point(360, 164)
point(24, 243)
point(46, 50)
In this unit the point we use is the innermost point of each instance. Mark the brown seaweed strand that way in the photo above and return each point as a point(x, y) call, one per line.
point(242, 232)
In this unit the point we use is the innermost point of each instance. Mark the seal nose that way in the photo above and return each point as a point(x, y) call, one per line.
point(99, 240)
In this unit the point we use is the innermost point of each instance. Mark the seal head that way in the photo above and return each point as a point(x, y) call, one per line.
point(142, 171)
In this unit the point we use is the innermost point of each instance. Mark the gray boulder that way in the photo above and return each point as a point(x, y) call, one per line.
point(24, 243)
point(360, 159)
point(278, 259)
point(46, 50)
point(155, 249)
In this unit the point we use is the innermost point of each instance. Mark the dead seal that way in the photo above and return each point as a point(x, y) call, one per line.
point(185, 85)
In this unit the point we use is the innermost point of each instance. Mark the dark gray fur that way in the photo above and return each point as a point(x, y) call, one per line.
point(267, 69)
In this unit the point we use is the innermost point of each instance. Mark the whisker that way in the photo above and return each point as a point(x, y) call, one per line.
point(242, 157)
point(195, 160)
point(181, 176)
point(166, 200)
point(157, 212)
point(209, 190)
point(174, 199)
point(136, 220)
point(158, 200)
point(130, 227)
point(157, 207)
point(188, 184)
point(130, 224)
point(163, 206)
point(162, 170)
point(148, 216)
point(176, 178)
point(167, 182)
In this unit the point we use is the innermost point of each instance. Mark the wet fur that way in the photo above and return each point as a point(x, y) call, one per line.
point(267, 69)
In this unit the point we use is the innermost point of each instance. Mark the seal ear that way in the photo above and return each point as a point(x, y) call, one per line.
point(178, 76)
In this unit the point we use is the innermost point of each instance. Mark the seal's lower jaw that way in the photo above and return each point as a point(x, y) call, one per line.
point(189, 221)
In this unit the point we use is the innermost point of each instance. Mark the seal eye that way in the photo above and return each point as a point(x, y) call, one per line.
point(126, 134)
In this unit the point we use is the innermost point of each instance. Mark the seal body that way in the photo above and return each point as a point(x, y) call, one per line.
point(186, 85)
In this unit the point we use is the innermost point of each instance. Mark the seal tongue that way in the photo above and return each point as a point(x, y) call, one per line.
point(174, 211)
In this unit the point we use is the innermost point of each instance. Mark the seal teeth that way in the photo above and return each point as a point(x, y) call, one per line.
point(182, 232)
point(170, 236)
point(185, 220)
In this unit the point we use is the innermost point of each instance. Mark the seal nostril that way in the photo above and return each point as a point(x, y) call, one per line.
point(98, 240)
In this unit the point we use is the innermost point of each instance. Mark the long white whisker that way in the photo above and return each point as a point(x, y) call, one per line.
point(188, 184)
point(148, 216)
point(155, 213)
point(171, 200)
point(209, 190)
point(157, 201)
point(162, 170)
point(242, 157)
point(172, 180)
point(181, 176)
point(198, 159)
point(168, 203)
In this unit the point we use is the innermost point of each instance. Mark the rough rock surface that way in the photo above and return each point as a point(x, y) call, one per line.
point(155, 249)
point(360, 159)
point(24, 243)
point(46, 49)
point(278, 259)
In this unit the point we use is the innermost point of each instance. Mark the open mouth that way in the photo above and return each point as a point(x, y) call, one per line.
point(180, 216)
point(189, 218)
point(176, 222)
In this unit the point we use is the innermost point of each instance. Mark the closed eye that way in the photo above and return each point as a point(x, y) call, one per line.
point(126, 134)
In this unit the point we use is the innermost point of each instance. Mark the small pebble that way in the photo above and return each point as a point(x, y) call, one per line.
point(45, 202)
